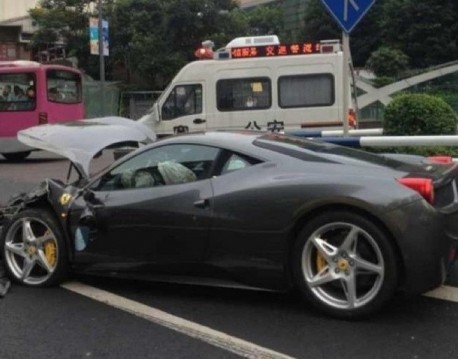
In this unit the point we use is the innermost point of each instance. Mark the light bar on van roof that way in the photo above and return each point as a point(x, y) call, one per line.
point(306, 48)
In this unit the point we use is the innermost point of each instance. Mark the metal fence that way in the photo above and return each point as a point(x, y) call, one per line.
point(92, 99)
point(134, 104)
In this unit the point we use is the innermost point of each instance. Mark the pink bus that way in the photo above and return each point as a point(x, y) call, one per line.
point(33, 94)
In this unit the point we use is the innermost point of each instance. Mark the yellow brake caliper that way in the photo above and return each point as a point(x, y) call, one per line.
point(320, 262)
point(51, 252)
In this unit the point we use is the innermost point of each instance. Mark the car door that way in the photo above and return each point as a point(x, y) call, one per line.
point(153, 208)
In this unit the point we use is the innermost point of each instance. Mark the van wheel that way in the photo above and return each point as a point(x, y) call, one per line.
point(344, 264)
point(16, 156)
point(34, 248)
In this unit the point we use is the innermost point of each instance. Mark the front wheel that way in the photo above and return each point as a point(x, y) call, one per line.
point(16, 156)
point(34, 249)
point(344, 264)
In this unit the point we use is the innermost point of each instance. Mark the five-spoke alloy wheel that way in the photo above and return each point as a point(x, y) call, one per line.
point(34, 249)
point(345, 264)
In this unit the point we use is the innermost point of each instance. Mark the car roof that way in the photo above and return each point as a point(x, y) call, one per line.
point(226, 139)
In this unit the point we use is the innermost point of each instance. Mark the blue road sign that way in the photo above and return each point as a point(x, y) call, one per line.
point(348, 13)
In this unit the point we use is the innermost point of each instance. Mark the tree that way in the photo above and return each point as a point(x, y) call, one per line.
point(264, 20)
point(63, 23)
point(419, 114)
point(153, 39)
point(319, 25)
point(387, 61)
point(425, 30)
point(138, 43)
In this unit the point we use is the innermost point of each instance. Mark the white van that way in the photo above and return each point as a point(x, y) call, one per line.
point(255, 83)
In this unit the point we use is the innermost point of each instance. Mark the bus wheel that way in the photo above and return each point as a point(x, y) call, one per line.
point(16, 156)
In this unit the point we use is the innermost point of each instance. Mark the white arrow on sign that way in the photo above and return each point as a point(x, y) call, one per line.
point(352, 3)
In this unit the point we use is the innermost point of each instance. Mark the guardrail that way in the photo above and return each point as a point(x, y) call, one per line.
point(392, 141)
point(335, 133)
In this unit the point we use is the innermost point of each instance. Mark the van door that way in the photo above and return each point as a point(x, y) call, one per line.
point(181, 110)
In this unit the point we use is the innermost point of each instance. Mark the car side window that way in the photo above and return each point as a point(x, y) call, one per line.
point(235, 162)
point(166, 165)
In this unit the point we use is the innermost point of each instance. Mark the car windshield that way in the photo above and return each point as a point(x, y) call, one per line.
point(308, 150)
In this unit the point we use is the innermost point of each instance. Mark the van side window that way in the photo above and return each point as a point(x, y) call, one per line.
point(243, 94)
point(306, 90)
point(183, 100)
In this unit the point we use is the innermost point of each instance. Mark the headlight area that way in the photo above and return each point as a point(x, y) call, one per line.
point(6, 213)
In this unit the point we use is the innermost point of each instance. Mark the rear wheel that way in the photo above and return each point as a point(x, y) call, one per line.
point(34, 249)
point(16, 156)
point(344, 264)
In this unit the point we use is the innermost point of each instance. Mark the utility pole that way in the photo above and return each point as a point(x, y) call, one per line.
point(101, 60)
point(346, 80)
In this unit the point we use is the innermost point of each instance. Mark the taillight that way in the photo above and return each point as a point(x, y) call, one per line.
point(424, 186)
point(42, 118)
point(440, 159)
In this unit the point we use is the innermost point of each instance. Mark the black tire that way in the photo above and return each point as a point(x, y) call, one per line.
point(16, 156)
point(366, 261)
point(40, 260)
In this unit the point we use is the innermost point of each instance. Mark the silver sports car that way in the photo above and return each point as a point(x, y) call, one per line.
point(346, 227)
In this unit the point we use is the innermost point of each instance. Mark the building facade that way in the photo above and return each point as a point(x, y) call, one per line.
point(16, 29)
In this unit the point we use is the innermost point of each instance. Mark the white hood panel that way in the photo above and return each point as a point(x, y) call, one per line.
point(80, 140)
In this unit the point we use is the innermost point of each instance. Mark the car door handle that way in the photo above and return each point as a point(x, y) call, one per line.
point(201, 203)
point(198, 121)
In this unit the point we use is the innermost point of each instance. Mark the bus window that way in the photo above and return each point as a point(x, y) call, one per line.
point(17, 92)
point(63, 86)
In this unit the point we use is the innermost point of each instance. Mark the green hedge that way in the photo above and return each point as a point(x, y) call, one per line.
point(420, 114)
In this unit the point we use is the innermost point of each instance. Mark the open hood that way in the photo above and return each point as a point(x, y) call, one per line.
point(81, 140)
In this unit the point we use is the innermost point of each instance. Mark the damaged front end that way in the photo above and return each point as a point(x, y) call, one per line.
point(20, 201)
point(34, 242)
point(50, 194)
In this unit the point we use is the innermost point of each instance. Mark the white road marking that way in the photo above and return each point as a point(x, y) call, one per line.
point(201, 332)
point(216, 338)
point(444, 292)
